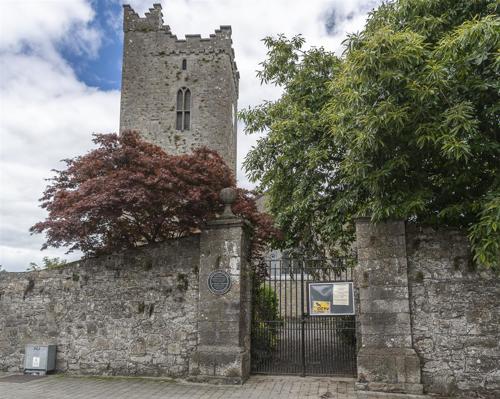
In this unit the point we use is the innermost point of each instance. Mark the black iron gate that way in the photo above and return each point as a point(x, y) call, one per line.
point(286, 339)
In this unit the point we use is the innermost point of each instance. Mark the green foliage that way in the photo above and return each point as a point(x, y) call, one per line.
point(53, 263)
point(48, 263)
point(295, 161)
point(485, 233)
point(266, 306)
point(33, 267)
point(403, 125)
point(266, 319)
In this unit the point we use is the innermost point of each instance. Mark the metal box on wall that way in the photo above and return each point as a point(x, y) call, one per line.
point(39, 359)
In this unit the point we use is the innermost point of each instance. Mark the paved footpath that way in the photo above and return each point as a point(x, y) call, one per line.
point(257, 387)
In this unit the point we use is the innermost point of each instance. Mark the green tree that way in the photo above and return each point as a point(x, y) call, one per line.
point(48, 263)
point(291, 161)
point(407, 126)
point(128, 192)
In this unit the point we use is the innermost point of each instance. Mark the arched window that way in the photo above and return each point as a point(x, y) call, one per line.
point(184, 64)
point(183, 120)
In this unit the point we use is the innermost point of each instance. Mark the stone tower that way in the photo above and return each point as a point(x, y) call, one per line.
point(179, 93)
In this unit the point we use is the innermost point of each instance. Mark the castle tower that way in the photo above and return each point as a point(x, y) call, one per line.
point(179, 94)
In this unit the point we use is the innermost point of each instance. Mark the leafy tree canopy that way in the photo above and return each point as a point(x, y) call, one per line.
point(404, 125)
point(128, 192)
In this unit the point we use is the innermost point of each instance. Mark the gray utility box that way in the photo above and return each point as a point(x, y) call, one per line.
point(38, 359)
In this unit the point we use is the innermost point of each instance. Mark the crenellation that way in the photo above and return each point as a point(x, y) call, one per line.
point(152, 21)
point(129, 11)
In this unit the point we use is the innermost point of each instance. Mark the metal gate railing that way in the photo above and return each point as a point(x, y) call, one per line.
point(285, 338)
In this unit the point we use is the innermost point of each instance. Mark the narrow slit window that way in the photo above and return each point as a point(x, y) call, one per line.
point(184, 64)
point(183, 114)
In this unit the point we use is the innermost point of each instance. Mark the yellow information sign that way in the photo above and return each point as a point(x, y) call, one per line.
point(321, 307)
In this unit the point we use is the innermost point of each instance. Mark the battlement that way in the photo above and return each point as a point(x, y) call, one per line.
point(219, 41)
point(153, 22)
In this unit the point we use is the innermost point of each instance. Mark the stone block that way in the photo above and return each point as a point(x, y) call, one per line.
point(389, 370)
point(386, 306)
point(219, 332)
point(385, 323)
point(384, 292)
point(220, 364)
point(386, 340)
point(362, 394)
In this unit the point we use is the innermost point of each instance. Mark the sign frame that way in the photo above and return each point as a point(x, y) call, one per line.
point(332, 307)
point(210, 283)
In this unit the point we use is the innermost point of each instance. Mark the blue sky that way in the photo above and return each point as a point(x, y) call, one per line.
point(104, 70)
point(60, 72)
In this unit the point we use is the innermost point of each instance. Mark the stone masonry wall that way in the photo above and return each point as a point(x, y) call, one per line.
point(455, 315)
point(387, 360)
point(134, 313)
point(152, 75)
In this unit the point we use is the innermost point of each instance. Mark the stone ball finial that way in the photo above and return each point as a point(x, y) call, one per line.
point(228, 196)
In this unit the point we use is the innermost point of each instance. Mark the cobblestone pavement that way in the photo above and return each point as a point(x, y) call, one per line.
point(258, 387)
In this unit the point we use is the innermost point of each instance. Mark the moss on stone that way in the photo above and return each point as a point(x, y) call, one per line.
point(182, 282)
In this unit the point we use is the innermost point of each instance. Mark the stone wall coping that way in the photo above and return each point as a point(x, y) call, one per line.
point(221, 349)
point(387, 351)
point(368, 219)
point(225, 222)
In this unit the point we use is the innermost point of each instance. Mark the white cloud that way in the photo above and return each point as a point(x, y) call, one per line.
point(39, 24)
point(46, 114)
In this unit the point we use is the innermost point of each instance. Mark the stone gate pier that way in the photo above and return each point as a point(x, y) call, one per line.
point(428, 318)
point(387, 360)
point(223, 351)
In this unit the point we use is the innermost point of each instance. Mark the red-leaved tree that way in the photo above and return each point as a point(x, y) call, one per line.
point(128, 192)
